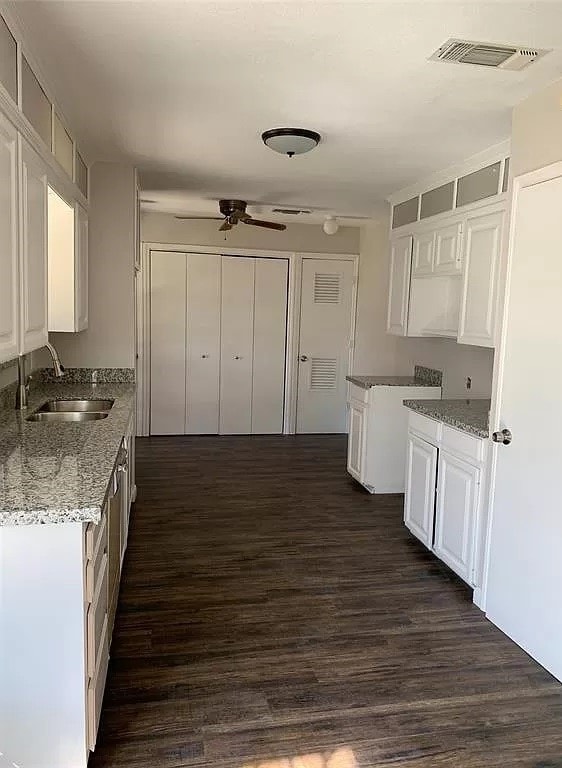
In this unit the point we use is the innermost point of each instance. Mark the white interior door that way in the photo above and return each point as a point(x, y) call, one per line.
point(168, 285)
point(326, 324)
point(524, 595)
point(237, 332)
point(270, 332)
point(203, 343)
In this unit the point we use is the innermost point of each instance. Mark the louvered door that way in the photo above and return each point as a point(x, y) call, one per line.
point(324, 348)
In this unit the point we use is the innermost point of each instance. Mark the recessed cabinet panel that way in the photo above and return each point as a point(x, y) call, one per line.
point(423, 254)
point(63, 148)
point(457, 500)
point(34, 251)
point(421, 474)
point(81, 266)
point(356, 439)
point(399, 285)
point(9, 288)
point(481, 257)
point(35, 104)
point(447, 249)
point(8, 61)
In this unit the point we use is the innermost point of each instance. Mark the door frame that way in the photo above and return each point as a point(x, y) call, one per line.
point(295, 263)
point(524, 180)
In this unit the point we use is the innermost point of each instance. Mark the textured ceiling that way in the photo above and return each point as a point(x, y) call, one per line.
point(184, 90)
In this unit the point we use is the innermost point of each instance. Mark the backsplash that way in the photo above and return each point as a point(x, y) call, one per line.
point(88, 375)
point(430, 375)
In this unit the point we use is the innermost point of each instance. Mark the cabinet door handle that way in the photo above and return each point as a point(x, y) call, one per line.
point(303, 358)
point(204, 357)
point(238, 357)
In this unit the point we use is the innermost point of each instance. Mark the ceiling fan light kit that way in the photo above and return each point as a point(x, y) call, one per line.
point(291, 141)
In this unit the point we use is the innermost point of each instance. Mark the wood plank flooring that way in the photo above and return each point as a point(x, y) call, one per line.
point(274, 614)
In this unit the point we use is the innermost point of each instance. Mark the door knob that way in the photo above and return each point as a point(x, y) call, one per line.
point(504, 437)
point(303, 358)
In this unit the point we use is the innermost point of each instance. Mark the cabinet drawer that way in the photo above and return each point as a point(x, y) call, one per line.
point(96, 689)
point(358, 393)
point(94, 564)
point(468, 446)
point(426, 427)
point(96, 623)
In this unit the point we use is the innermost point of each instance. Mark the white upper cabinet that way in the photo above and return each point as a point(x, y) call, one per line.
point(81, 262)
point(9, 288)
point(482, 246)
point(422, 262)
point(399, 285)
point(33, 223)
point(448, 249)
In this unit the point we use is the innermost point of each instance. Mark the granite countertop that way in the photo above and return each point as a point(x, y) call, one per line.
point(58, 473)
point(366, 382)
point(467, 415)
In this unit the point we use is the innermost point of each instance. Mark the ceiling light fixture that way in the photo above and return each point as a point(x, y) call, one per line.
point(330, 225)
point(291, 141)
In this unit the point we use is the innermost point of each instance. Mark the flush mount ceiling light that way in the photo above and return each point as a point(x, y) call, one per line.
point(290, 141)
point(330, 225)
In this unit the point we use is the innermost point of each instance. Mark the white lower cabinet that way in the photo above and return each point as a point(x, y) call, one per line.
point(419, 502)
point(458, 485)
point(377, 428)
point(444, 474)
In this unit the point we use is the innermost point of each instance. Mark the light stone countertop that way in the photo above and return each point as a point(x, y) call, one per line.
point(470, 416)
point(57, 473)
point(366, 382)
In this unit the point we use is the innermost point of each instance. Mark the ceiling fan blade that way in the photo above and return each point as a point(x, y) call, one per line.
point(265, 224)
point(226, 226)
point(200, 218)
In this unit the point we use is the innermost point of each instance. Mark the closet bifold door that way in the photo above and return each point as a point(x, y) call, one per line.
point(203, 343)
point(168, 292)
point(237, 331)
point(270, 324)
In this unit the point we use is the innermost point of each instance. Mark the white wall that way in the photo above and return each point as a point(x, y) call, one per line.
point(165, 228)
point(537, 130)
point(109, 340)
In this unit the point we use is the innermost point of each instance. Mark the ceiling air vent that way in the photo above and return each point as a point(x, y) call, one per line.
point(487, 54)
point(292, 211)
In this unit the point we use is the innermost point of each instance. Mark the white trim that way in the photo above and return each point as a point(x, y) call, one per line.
point(471, 164)
point(295, 260)
point(530, 179)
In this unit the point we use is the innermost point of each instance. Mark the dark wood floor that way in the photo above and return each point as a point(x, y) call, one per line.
point(275, 615)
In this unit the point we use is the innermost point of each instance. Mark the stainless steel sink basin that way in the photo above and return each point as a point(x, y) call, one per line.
point(58, 416)
point(73, 406)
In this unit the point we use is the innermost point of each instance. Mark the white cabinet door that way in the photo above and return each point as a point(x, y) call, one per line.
point(270, 331)
point(203, 343)
point(356, 439)
point(423, 254)
point(9, 288)
point(81, 268)
point(457, 501)
point(482, 247)
point(34, 287)
point(421, 472)
point(237, 331)
point(399, 285)
point(168, 278)
point(448, 250)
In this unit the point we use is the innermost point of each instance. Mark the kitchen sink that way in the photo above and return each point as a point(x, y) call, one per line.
point(59, 416)
point(75, 406)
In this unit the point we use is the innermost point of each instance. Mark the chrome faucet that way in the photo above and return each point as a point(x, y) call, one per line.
point(22, 390)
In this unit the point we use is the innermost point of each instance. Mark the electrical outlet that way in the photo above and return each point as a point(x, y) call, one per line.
point(468, 383)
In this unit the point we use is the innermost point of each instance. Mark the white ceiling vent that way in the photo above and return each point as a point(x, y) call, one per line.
point(487, 54)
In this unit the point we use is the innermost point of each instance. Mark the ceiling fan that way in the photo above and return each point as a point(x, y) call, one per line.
point(234, 211)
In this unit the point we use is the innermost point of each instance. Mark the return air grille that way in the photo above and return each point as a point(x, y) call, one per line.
point(486, 54)
point(326, 288)
point(323, 373)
